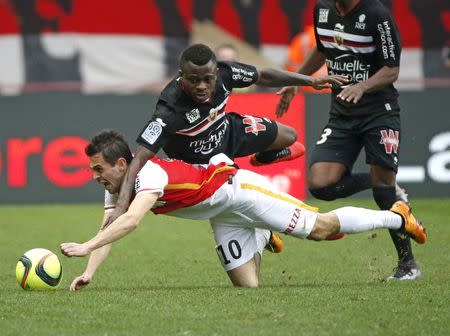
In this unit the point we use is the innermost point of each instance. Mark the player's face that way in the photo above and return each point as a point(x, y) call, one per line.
point(199, 81)
point(110, 176)
point(345, 3)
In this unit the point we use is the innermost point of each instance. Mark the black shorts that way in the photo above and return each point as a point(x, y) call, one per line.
point(343, 138)
point(249, 134)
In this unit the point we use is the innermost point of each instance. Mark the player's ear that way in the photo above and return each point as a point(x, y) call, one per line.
point(122, 164)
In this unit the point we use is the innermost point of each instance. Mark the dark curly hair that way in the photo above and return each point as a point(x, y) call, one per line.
point(199, 54)
point(111, 144)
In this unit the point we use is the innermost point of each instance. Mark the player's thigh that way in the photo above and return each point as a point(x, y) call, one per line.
point(338, 143)
point(250, 134)
point(382, 142)
point(323, 174)
point(235, 246)
point(260, 205)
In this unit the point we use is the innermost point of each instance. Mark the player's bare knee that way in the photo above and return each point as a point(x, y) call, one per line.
point(249, 283)
point(286, 135)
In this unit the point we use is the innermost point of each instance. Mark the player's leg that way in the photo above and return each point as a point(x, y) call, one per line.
point(382, 144)
point(329, 175)
point(285, 147)
point(354, 220)
point(258, 204)
point(272, 141)
point(239, 250)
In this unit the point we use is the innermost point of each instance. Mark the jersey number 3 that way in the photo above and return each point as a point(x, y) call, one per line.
point(326, 133)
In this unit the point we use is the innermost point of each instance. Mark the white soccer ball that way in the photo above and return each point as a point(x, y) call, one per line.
point(39, 269)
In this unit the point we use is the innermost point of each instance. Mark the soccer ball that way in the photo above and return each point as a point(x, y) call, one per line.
point(39, 269)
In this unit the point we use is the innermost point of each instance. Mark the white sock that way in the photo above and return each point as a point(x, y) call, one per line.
point(354, 219)
point(262, 238)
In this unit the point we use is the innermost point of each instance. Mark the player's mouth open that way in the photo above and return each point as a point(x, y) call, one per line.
point(201, 96)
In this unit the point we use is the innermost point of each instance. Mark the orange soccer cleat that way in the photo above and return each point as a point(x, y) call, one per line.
point(411, 224)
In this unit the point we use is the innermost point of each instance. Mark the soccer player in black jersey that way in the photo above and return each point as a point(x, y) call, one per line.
point(190, 123)
point(358, 38)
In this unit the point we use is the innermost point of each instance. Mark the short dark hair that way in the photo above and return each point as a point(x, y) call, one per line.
point(199, 54)
point(111, 144)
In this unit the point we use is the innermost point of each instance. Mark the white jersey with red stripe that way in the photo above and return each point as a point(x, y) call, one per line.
point(177, 183)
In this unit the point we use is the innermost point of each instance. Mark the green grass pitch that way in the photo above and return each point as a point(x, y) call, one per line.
point(165, 279)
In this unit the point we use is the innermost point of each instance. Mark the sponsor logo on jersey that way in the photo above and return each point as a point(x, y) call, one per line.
point(387, 43)
point(152, 132)
point(193, 115)
point(254, 125)
point(390, 140)
point(214, 140)
point(294, 221)
point(388, 107)
point(349, 65)
point(323, 15)
point(361, 24)
point(242, 74)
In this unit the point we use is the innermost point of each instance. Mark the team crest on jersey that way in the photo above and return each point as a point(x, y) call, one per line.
point(390, 140)
point(361, 24)
point(338, 38)
point(323, 15)
point(193, 115)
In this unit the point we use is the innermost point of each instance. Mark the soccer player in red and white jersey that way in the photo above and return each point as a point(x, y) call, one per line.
point(237, 202)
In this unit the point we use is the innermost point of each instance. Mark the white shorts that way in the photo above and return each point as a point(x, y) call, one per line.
point(252, 202)
point(249, 202)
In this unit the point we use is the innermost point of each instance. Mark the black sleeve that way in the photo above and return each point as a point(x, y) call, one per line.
point(387, 40)
point(319, 44)
point(237, 75)
point(159, 129)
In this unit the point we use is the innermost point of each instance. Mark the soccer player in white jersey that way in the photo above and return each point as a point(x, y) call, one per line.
point(237, 202)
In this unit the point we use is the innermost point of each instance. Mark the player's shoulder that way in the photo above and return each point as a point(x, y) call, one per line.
point(325, 4)
point(151, 166)
point(172, 93)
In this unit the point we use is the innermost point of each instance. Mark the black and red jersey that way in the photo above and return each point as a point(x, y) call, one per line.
point(358, 44)
point(193, 131)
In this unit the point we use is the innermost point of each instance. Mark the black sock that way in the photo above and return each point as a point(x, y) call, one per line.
point(347, 186)
point(385, 198)
point(269, 155)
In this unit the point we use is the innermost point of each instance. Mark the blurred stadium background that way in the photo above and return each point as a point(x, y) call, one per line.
point(69, 68)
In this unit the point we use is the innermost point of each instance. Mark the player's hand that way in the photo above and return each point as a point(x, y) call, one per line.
point(74, 249)
point(352, 93)
point(287, 94)
point(320, 83)
point(80, 282)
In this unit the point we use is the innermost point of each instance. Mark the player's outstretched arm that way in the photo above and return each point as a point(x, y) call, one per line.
point(314, 60)
point(118, 229)
point(140, 158)
point(96, 258)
